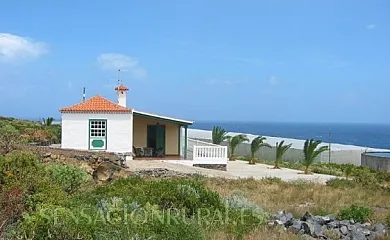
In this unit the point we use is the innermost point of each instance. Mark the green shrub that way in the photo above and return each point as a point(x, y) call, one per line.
point(357, 213)
point(366, 178)
point(70, 178)
point(272, 179)
point(19, 167)
point(341, 183)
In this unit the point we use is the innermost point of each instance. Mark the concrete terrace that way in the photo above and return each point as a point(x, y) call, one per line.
point(236, 170)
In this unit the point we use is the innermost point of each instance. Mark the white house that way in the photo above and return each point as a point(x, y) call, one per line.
point(102, 125)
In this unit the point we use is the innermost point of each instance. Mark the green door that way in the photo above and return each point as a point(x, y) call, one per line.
point(160, 137)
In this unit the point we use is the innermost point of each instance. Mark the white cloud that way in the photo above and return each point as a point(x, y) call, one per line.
point(115, 61)
point(370, 26)
point(273, 80)
point(14, 48)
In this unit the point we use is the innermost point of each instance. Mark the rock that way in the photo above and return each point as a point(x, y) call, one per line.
point(308, 227)
point(278, 222)
point(332, 233)
point(306, 216)
point(46, 155)
point(344, 223)
point(366, 225)
point(351, 227)
point(101, 174)
point(53, 156)
point(86, 167)
point(329, 218)
point(365, 231)
point(296, 226)
point(357, 235)
point(379, 228)
point(317, 231)
point(62, 158)
point(285, 218)
point(120, 174)
point(344, 230)
point(333, 224)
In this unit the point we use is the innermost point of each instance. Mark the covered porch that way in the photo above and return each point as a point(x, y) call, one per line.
point(157, 137)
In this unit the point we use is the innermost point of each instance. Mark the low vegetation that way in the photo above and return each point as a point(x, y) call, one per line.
point(49, 200)
point(14, 131)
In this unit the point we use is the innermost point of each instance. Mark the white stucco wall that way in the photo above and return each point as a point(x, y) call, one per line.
point(75, 127)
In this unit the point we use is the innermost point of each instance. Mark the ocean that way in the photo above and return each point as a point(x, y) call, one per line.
point(365, 135)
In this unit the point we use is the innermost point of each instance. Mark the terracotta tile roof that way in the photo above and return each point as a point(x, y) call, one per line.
point(95, 104)
point(122, 88)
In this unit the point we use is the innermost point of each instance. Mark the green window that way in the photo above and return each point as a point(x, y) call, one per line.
point(98, 134)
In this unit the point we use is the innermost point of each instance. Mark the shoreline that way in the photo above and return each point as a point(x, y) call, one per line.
point(296, 143)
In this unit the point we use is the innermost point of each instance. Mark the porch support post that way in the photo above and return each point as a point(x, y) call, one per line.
point(185, 142)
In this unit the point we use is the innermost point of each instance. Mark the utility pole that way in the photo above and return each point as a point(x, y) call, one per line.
point(330, 136)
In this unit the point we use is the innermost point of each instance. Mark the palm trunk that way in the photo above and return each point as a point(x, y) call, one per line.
point(307, 170)
point(232, 157)
point(276, 165)
point(252, 161)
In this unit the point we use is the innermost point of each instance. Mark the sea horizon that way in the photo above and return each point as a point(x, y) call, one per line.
point(364, 134)
point(371, 135)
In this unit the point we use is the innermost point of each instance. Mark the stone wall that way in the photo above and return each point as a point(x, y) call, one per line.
point(222, 167)
point(92, 157)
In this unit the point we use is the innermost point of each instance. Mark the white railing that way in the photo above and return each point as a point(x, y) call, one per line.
point(210, 153)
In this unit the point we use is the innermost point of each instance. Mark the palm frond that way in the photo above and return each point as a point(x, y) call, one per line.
point(219, 135)
point(257, 143)
point(236, 140)
point(310, 153)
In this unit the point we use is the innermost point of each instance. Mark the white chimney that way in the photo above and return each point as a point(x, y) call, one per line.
point(121, 93)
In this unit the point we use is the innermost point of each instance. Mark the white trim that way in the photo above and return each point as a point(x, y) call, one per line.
point(163, 117)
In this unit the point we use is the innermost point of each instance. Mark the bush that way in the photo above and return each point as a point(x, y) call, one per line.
point(156, 209)
point(341, 183)
point(357, 213)
point(19, 167)
point(70, 178)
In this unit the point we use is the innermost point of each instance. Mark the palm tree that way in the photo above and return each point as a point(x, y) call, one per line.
point(48, 121)
point(256, 144)
point(219, 135)
point(310, 152)
point(234, 142)
point(280, 151)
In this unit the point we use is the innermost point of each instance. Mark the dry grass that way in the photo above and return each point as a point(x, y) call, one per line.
point(299, 197)
point(259, 233)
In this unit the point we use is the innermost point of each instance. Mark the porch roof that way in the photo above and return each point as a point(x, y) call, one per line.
point(164, 118)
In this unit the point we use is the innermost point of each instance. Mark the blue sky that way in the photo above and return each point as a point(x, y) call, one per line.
point(299, 61)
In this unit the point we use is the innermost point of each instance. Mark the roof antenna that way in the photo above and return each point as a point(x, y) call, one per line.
point(119, 77)
point(83, 94)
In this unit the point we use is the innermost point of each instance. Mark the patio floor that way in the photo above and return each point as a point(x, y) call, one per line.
point(168, 157)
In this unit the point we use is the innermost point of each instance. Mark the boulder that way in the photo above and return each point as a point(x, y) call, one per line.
point(296, 226)
point(344, 230)
point(86, 167)
point(101, 174)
